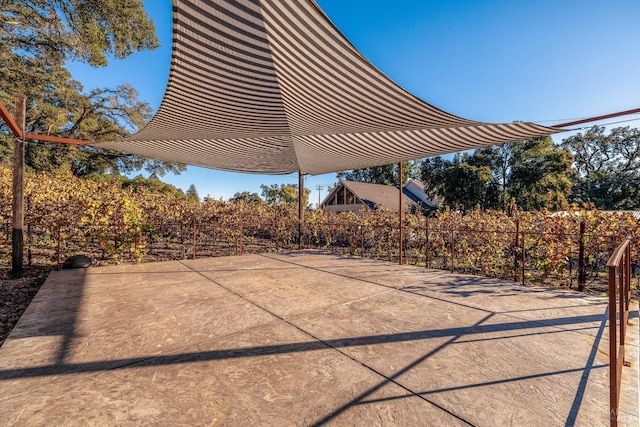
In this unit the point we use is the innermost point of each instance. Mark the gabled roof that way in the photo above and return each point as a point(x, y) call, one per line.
point(414, 189)
point(272, 86)
point(375, 196)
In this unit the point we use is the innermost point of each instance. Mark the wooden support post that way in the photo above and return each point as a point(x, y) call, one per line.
point(17, 238)
point(400, 215)
point(300, 207)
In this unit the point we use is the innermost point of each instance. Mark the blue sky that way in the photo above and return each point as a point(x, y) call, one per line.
point(547, 61)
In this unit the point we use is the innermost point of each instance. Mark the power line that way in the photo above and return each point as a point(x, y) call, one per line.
point(605, 124)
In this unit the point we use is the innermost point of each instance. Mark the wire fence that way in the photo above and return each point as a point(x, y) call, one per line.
point(525, 253)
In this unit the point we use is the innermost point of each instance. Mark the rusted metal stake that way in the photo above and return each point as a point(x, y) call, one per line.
point(523, 257)
point(453, 250)
point(582, 277)
point(515, 250)
point(241, 236)
point(59, 258)
point(193, 253)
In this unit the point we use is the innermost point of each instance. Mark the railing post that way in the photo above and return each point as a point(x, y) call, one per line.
point(613, 350)
point(619, 266)
point(628, 273)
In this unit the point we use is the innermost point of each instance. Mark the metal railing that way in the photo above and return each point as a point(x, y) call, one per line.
point(619, 266)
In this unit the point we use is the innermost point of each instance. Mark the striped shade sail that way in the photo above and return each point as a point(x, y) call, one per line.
point(273, 87)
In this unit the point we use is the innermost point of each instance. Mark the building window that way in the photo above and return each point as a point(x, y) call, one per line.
point(340, 196)
point(350, 199)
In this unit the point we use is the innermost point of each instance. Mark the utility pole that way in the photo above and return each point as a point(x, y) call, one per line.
point(319, 188)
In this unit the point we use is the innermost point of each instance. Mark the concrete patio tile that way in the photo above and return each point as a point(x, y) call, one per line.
point(307, 338)
point(290, 293)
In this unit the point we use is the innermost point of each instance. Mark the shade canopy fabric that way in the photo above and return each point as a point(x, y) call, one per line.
point(273, 87)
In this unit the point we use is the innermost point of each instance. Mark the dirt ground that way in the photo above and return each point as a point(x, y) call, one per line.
point(16, 294)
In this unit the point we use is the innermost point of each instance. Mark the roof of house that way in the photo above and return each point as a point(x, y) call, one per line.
point(375, 195)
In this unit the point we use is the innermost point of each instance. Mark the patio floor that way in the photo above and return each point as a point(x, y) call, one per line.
point(307, 338)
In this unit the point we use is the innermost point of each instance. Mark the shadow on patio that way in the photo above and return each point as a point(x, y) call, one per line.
point(305, 339)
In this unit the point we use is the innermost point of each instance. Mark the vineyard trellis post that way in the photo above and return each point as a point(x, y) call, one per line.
point(523, 257)
point(515, 252)
point(582, 276)
point(426, 242)
point(195, 230)
point(453, 250)
point(59, 249)
point(241, 234)
point(17, 234)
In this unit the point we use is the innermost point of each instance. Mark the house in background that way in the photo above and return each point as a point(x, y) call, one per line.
point(350, 196)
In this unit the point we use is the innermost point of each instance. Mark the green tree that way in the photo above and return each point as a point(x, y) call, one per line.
point(153, 184)
point(499, 159)
point(606, 168)
point(37, 38)
point(385, 175)
point(81, 30)
point(462, 183)
point(540, 175)
point(246, 197)
point(192, 193)
point(283, 194)
point(532, 173)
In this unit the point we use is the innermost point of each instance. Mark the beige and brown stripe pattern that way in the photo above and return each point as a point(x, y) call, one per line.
point(271, 86)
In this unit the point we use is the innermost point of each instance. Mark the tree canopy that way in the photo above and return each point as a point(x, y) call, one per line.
point(246, 197)
point(385, 175)
point(283, 194)
point(81, 30)
point(192, 193)
point(606, 170)
point(37, 39)
point(532, 174)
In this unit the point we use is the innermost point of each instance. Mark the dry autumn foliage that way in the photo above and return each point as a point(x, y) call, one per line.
point(68, 215)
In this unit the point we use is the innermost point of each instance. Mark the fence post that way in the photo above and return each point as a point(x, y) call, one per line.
point(193, 253)
point(426, 243)
point(523, 257)
point(58, 249)
point(582, 276)
point(453, 250)
point(515, 252)
point(241, 236)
